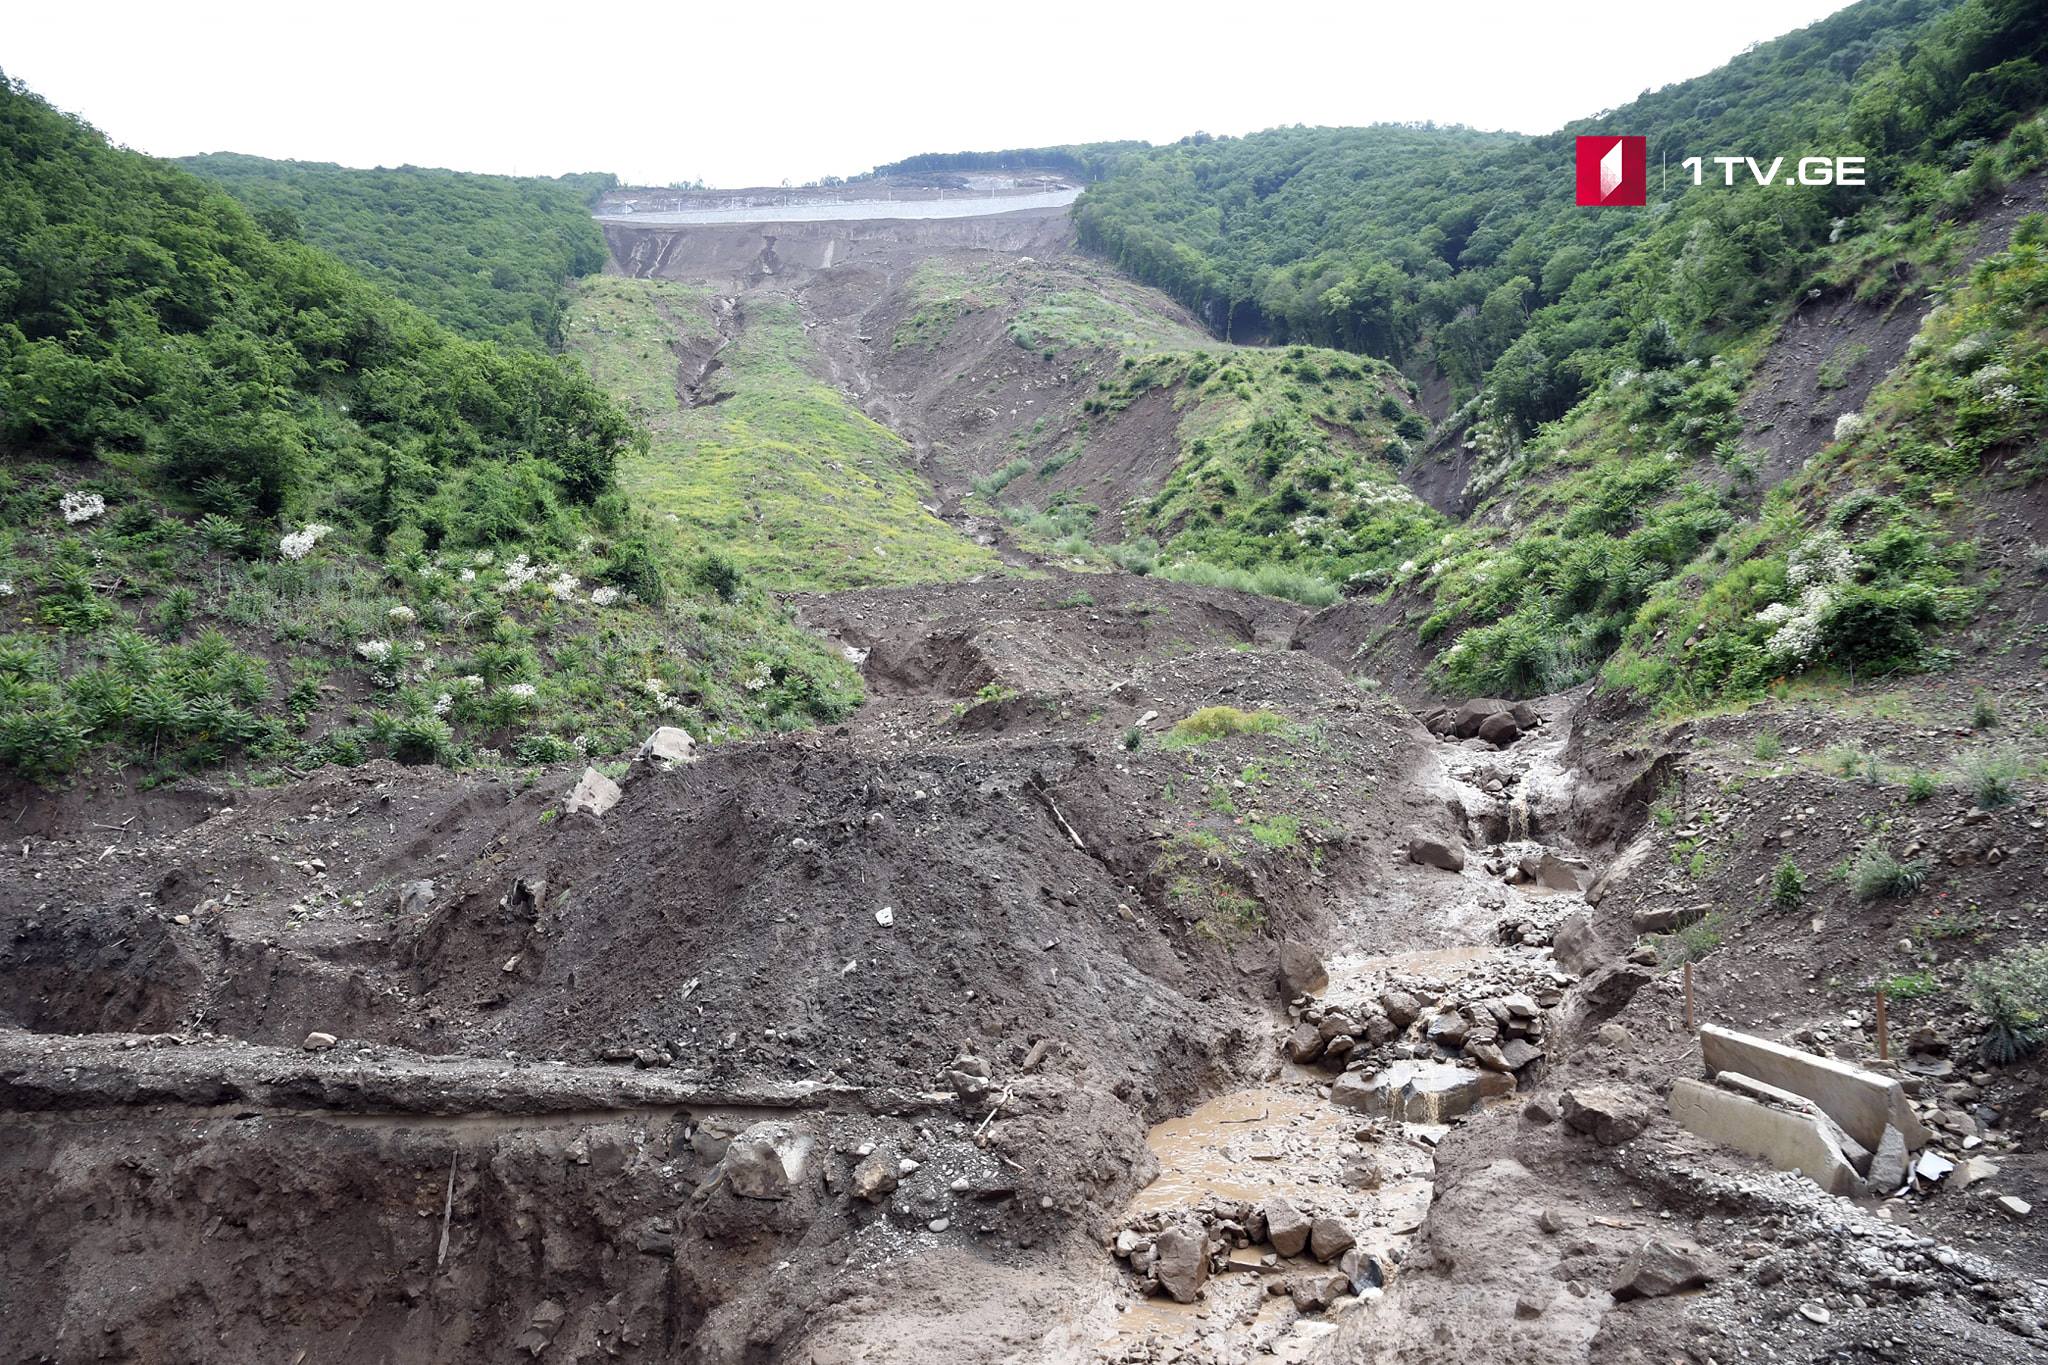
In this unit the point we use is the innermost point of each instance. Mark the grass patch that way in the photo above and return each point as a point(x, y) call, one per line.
point(1222, 722)
point(1876, 874)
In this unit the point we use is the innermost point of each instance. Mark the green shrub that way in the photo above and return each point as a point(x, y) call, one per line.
point(1768, 746)
point(1921, 786)
point(1912, 986)
point(1877, 875)
point(1991, 777)
point(1983, 713)
point(2011, 992)
point(718, 574)
point(1788, 886)
point(989, 485)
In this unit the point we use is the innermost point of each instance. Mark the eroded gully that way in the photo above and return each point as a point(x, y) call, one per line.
point(1299, 1195)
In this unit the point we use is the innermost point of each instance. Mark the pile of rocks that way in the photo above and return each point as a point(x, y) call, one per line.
point(1174, 1254)
point(1485, 721)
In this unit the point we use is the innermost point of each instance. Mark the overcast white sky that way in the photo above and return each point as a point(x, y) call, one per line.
point(750, 94)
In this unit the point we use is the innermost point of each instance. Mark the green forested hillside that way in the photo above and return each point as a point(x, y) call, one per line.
point(486, 254)
point(1446, 246)
point(251, 504)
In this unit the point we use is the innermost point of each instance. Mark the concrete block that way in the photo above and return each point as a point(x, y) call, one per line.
point(1862, 1102)
point(1790, 1140)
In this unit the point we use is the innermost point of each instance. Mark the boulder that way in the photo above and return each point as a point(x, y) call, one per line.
point(415, 898)
point(319, 1042)
point(1660, 1267)
point(1411, 1091)
point(1499, 730)
point(668, 745)
point(1607, 1115)
point(1450, 1028)
point(593, 792)
point(1525, 715)
point(1301, 971)
point(1888, 1163)
point(1304, 1044)
point(1573, 945)
point(874, 1179)
point(1316, 1291)
point(1328, 1238)
point(1607, 991)
point(1662, 919)
point(1181, 1261)
point(1287, 1228)
point(1436, 853)
point(767, 1161)
point(1473, 714)
point(1402, 1008)
point(1555, 872)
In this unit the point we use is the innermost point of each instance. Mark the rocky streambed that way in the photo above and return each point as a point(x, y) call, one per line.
point(1282, 1207)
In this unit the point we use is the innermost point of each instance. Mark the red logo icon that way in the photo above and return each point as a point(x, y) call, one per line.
point(1613, 170)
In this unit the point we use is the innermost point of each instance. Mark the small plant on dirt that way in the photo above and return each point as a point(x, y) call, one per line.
point(1843, 759)
point(1911, 986)
point(1788, 886)
point(1079, 599)
point(1983, 713)
point(1991, 777)
point(1948, 926)
point(1276, 831)
point(2011, 992)
point(1873, 770)
point(1768, 746)
point(1134, 737)
point(1921, 786)
point(1691, 943)
point(1878, 875)
point(1219, 722)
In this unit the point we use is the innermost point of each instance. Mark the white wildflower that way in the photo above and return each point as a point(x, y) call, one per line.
point(6, 587)
point(1850, 425)
point(470, 681)
point(298, 544)
point(523, 691)
point(443, 704)
point(759, 679)
point(482, 558)
point(376, 651)
point(78, 507)
point(563, 587)
point(468, 575)
point(401, 616)
point(604, 597)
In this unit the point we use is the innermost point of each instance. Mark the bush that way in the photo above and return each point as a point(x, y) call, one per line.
point(1877, 875)
point(1768, 746)
point(1921, 787)
point(1991, 777)
point(1788, 886)
point(717, 573)
point(2011, 992)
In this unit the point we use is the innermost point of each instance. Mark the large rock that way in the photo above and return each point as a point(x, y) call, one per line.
point(1287, 1227)
point(1662, 1267)
point(1609, 1116)
point(1304, 1043)
point(1555, 872)
point(1888, 1163)
point(1499, 730)
point(593, 792)
point(1862, 1102)
point(1402, 1008)
point(767, 1161)
point(1473, 714)
point(1607, 991)
point(1789, 1139)
point(1411, 1091)
point(1436, 853)
point(1301, 971)
point(670, 744)
point(875, 1178)
point(1574, 945)
point(1329, 1238)
point(1181, 1262)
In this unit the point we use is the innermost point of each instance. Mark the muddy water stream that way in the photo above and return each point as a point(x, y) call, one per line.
point(1285, 1136)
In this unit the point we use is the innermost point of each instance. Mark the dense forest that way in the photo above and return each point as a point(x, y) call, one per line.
point(1444, 247)
point(1083, 161)
point(486, 254)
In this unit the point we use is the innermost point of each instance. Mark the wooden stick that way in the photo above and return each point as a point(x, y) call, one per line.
point(1884, 1039)
point(1688, 998)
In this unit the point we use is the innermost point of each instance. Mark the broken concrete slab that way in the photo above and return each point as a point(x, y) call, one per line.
point(1791, 1139)
point(1862, 1102)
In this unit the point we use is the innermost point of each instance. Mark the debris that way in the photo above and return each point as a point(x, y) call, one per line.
point(593, 792)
